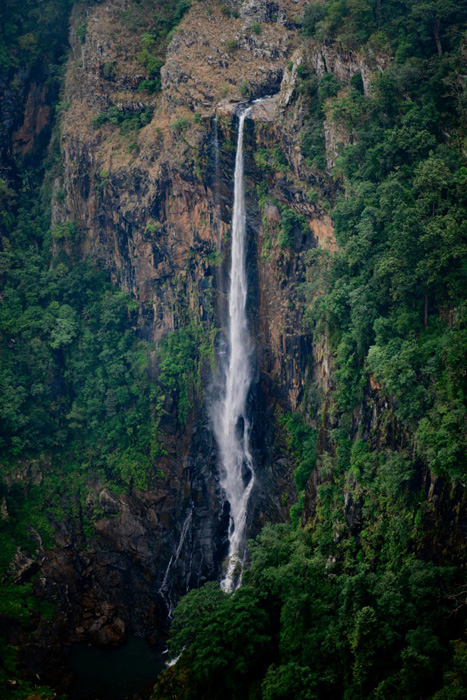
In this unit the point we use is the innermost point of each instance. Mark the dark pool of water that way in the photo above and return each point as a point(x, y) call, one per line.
point(115, 674)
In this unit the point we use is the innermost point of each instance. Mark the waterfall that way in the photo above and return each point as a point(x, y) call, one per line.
point(164, 590)
point(231, 425)
point(217, 175)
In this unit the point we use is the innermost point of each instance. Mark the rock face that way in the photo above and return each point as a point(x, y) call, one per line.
point(25, 115)
point(325, 59)
point(153, 208)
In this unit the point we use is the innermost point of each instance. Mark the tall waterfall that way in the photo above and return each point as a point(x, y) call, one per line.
point(231, 425)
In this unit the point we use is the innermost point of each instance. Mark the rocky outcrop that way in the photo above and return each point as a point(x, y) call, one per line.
point(12, 97)
point(37, 121)
point(344, 64)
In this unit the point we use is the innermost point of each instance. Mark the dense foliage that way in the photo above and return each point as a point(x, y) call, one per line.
point(368, 601)
point(394, 301)
point(30, 30)
point(403, 28)
point(77, 403)
point(75, 391)
point(303, 627)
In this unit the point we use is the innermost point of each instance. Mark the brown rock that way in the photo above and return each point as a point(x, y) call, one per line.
point(272, 213)
point(112, 634)
point(22, 566)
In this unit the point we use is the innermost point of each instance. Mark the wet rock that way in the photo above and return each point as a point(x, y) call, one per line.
point(108, 634)
point(246, 474)
point(37, 118)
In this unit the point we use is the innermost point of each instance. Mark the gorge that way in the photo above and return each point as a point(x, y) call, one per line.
point(233, 333)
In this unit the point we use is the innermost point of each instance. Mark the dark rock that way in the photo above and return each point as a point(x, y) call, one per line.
point(23, 567)
point(108, 634)
point(109, 503)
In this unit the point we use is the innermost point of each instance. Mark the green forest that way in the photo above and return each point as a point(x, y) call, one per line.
point(77, 403)
point(377, 608)
point(362, 595)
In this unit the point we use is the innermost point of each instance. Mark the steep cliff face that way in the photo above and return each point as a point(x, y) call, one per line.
point(152, 206)
point(146, 200)
point(148, 182)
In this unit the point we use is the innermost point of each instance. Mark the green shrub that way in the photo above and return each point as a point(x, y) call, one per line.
point(244, 88)
point(81, 32)
point(314, 13)
point(151, 85)
point(314, 145)
point(109, 71)
point(279, 161)
point(290, 222)
point(65, 231)
point(179, 125)
point(127, 121)
point(147, 58)
point(328, 86)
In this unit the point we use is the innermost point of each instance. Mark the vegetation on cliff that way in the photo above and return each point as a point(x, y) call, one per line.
point(31, 31)
point(363, 594)
point(367, 600)
point(77, 403)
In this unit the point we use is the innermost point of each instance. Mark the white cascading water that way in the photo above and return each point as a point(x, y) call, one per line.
point(164, 590)
point(231, 425)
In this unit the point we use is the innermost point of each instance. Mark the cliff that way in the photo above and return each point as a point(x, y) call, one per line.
point(151, 204)
point(145, 185)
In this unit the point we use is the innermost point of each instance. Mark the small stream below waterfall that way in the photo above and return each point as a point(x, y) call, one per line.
point(115, 674)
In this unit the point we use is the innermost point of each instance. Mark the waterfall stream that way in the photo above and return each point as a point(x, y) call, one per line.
point(217, 173)
point(231, 425)
point(165, 589)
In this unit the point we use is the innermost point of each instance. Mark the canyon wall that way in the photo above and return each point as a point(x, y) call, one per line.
point(152, 207)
